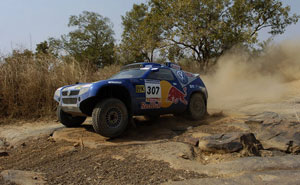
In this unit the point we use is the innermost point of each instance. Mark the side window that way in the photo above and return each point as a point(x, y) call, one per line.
point(162, 74)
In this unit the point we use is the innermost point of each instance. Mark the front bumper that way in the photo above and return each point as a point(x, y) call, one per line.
point(70, 100)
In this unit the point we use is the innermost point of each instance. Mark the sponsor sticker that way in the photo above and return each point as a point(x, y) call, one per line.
point(182, 77)
point(114, 82)
point(175, 95)
point(140, 89)
point(150, 105)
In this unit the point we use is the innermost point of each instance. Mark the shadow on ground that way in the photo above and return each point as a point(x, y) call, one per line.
point(142, 131)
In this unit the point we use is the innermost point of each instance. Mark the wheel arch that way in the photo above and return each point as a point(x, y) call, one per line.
point(108, 91)
point(199, 92)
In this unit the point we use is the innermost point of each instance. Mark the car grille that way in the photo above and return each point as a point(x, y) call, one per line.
point(69, 100)
point(72, 93)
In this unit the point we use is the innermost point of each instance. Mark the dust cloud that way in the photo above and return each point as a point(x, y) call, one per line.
point(242, 80)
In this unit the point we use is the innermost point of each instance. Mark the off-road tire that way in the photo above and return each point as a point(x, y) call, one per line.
point(196, 107)
point(68, 120)
point(110, 118)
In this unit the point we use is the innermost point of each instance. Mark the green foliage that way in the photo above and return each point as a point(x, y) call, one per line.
point(201, 29)
point(91, 41)
point(141, 36)
point(42, 48)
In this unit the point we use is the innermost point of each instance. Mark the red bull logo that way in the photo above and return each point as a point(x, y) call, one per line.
point(175, 95)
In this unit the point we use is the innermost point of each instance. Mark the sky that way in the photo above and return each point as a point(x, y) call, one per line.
point(23, 24)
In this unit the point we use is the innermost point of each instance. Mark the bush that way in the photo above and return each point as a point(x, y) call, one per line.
point(28, 83)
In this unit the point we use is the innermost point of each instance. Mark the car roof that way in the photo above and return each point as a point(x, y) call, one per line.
point(151, 65)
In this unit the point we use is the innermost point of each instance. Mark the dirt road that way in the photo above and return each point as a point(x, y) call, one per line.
point(165, 151)
point(254, 144)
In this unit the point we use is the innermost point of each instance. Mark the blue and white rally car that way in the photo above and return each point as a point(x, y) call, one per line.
point(148, 89)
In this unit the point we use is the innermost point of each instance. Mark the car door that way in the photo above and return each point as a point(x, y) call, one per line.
point(158, 85)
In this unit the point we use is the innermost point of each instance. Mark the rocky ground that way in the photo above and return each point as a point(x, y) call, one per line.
point(256, 148)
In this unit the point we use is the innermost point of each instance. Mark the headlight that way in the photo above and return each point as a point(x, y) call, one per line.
point(84, 89)
point(57, 92)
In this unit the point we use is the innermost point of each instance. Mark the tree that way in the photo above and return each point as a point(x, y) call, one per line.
point(42, 48)
point(92, 40)
point(141, 36)
point(207, 28)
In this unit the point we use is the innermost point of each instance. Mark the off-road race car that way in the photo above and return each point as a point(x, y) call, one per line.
point(148, 89)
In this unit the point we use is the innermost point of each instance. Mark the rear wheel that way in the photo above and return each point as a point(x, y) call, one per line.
point(196, 108)
point(68, 120)
point(110, 117)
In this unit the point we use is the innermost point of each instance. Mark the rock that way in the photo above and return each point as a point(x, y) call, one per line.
point(199, 135)
point(221, 143)
point(23, 177)
point(184, 156)
point(271, 153)
point(14, 135)
point(260, 118)
point(251, 146)
point(168, 152)
point(276, 132)
point(189, 140)
point(50, 138)
point(3, 153)
point(231, 142)
point(283, 136)
point(273, 177)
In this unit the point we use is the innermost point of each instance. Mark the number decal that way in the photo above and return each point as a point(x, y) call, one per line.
point(153, 90)
point(149, 90)
point(157, 89)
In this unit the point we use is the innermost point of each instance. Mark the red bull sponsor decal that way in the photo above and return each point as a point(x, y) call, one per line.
point(175, 95)
point(151, 105)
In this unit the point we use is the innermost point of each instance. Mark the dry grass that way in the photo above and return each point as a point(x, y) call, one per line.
point(27, 84)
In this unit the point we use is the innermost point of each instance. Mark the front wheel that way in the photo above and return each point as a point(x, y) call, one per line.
point(196, 108)
point(68, 120)
point(110, 117)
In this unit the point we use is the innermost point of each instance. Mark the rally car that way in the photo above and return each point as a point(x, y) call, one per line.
point(148, 89)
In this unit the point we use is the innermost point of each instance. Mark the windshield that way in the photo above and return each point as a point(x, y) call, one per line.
point(131, 73)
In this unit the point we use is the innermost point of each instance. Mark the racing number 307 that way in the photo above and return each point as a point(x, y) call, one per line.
point(153, 90)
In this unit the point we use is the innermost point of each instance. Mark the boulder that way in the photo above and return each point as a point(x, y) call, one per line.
point(231, 142)
point(283, 136)
point(251, 146)
point(221, 143)
point(276, 132)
